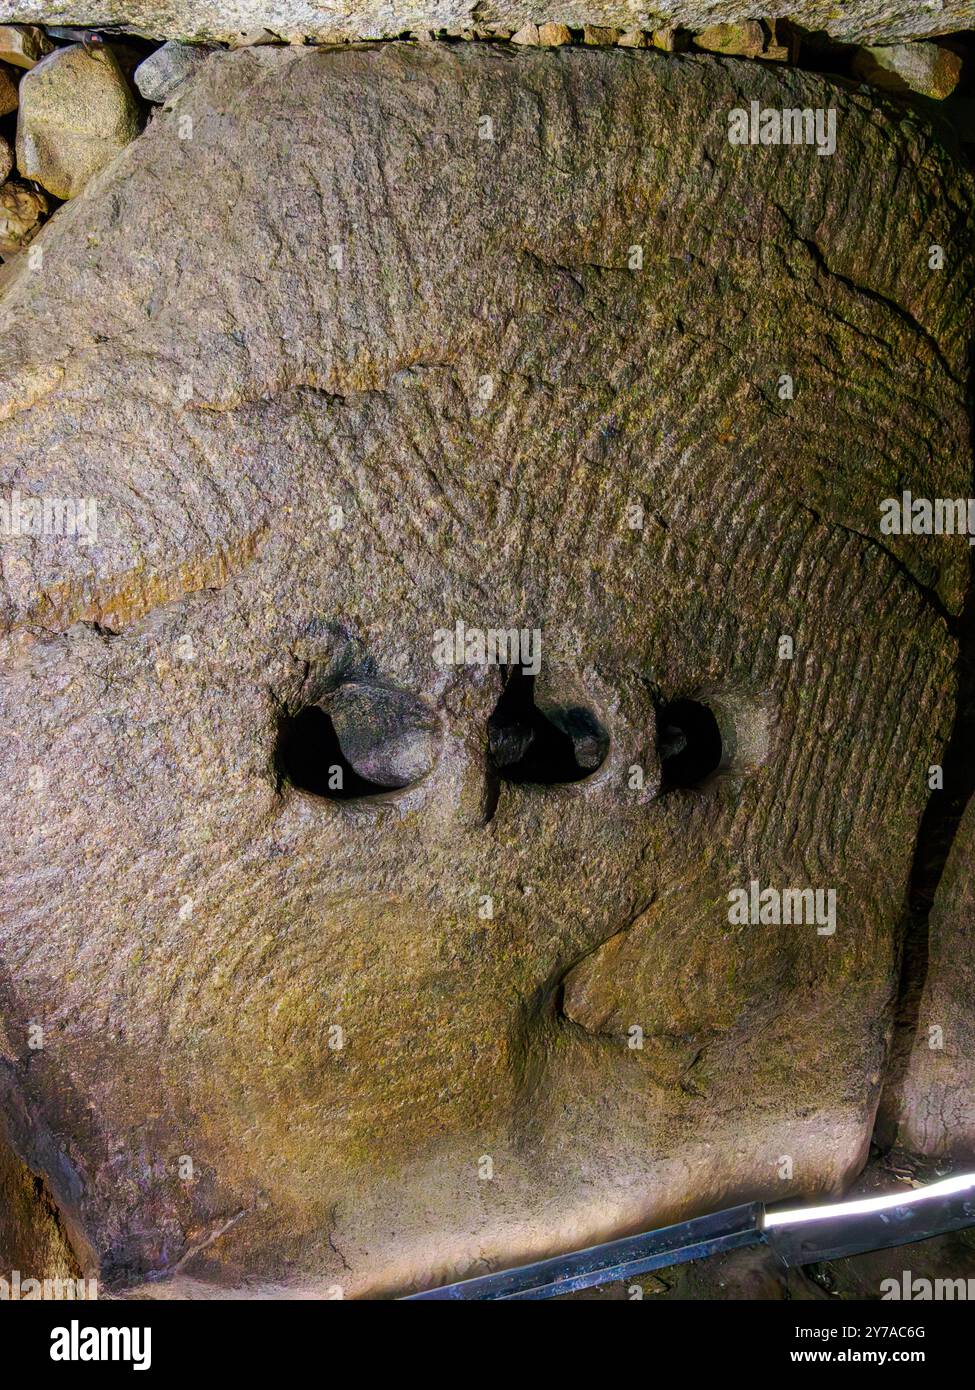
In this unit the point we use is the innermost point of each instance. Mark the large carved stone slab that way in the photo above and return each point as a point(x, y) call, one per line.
point(353, 346)
point(229, 20)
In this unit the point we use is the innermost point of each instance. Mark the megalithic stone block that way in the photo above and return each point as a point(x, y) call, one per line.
point(349, 347)
point(296, 21)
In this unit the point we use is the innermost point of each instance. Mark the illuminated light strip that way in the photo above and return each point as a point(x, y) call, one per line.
point(858, 1205)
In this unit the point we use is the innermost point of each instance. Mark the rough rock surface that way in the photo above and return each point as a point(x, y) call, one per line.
point(158, 76)
point(23, 45)
point(599, 35)
point(6, 160)
point(746, 39)
point(227, 20)
point(77, 111)
point(387, 735)
point(529, 34)
point(927, 68)
point(339, 371)
point(937, 1099)
point(21, 211)
point(8, 92)
point(31, 1238)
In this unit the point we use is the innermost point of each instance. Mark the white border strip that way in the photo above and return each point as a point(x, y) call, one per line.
point(859, 1205)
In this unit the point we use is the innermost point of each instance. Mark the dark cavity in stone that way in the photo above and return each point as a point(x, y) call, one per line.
point(310, 757)
point(542, 745)
point(689, 743)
